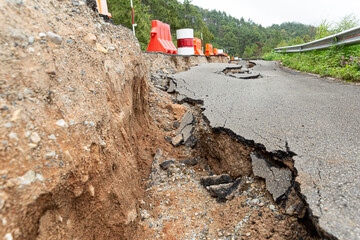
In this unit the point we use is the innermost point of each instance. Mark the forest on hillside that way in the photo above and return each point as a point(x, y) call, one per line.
point(239, 37)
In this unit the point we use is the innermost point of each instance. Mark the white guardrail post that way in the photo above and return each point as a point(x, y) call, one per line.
point(348, 37)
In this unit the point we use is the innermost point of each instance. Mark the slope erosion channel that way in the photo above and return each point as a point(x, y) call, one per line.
point(96, 142)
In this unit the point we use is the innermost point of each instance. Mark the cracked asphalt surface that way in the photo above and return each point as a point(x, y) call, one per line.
point(317, 119)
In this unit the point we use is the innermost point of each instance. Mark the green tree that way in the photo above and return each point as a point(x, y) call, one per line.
point(239, 37)
point(324, 29)
point(347, 22)
point(121, 14)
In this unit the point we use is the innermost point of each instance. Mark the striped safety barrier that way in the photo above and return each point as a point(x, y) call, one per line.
point(185, 41)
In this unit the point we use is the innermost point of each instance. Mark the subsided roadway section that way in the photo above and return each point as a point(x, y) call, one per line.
point(210, 195)
point(311, 121)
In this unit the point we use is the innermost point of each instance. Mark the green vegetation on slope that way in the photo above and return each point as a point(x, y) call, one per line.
point(239, 37)
point(339, 62)
point(327, 28)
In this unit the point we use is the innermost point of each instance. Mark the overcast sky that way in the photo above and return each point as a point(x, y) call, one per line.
point(268, 12)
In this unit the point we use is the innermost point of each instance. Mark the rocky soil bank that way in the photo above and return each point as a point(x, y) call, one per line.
point(96, 144)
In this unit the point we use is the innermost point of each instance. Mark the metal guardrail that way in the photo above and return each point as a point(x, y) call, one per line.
point(348, 37)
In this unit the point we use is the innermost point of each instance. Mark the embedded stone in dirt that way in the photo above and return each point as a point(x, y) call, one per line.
point(55, 38)
point(215, 180)
point(190, 162)
point(165, 165)
point(221, 191)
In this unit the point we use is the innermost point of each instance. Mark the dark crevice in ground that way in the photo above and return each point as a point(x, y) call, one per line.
point(220, 158)
point(241, 71)
point(279, 159)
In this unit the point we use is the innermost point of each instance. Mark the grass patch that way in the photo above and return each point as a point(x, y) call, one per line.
point(340, 62)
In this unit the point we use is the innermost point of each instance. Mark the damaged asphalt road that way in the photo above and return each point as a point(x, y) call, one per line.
point(317, 119)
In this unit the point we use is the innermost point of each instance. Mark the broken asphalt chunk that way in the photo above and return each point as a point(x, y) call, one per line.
point(186, 132)
point(172, 86)
point(278, 180)
point(178, 140)
point(166, 164)
point(188, 119)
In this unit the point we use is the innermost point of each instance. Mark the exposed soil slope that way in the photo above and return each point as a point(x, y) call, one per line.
point(74, 127)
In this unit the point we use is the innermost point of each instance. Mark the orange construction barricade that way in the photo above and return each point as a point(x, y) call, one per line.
point(161, 38)
point(103, 8)
point(197, 47)
point(209, 50)
point(216, 51)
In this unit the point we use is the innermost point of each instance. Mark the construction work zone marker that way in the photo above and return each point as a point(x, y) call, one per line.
point(161, 38)
point(197, 47)
point(102, 8)
point(215, 51)
point(132, 17)
point(209, 50)
point(185, 41)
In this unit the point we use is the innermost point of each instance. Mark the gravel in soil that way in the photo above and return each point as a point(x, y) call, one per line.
point(177, 206)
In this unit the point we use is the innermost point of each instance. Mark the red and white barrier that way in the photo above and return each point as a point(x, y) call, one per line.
point(185, 41)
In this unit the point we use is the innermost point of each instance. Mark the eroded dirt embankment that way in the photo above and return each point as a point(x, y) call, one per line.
point(75, 128)
point(77, 139)
point(170, 64)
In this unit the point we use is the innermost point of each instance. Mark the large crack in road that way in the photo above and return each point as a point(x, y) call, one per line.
point(319, 121)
